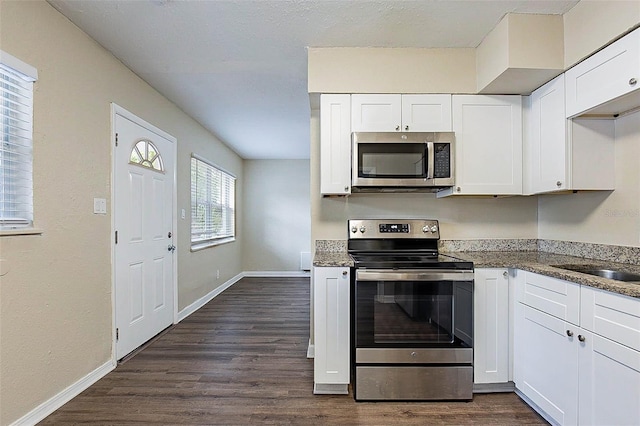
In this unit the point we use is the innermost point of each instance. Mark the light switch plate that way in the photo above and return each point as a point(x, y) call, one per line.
point(99, 206)
point(183, 214)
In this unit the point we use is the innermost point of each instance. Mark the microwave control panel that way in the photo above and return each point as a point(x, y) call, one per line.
point(442, 160)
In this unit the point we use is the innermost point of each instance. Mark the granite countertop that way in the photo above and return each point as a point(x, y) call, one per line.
point(543, 263)
point(332, 258)
point(532, 261)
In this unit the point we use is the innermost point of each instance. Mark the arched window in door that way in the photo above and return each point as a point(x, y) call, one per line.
point(145, 153)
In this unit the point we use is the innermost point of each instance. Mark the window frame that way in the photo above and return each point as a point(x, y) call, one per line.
point(230, 203)
point(19, 70)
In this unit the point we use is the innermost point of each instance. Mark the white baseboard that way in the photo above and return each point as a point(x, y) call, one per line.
point(46, 408)
point(283, 274)
point(207, 297)
point(52, 404)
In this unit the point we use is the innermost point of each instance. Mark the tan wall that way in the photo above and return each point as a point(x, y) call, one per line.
point(591, 24)
point(520, 54)
point(55, 294)
point(601, 217)
point(277, 219)
point(381, 70)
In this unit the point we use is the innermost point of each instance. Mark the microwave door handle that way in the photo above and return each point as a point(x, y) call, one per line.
point(430, 160)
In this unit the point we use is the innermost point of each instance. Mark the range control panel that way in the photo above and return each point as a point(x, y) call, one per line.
point(384, 228)
point(394, 228)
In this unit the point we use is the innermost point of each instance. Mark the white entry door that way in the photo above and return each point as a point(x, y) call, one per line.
point(144, 170)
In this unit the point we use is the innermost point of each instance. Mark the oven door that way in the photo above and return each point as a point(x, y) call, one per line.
point(395, 309)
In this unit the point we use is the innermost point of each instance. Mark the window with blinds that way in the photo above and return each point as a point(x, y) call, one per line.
point(16, 113)
point(212, 204)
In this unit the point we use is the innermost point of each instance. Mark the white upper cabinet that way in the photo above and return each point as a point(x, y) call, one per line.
point(566, 154)
point(606, 76)
point(488, 146)
point(335, 144)
point(426, 113)
point(548, 138)
point(395, 113)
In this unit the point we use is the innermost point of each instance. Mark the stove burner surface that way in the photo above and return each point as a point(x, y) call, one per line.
point(409, 260)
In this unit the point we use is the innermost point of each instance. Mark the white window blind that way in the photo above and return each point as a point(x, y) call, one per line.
point(212, 204)
point(16, 114)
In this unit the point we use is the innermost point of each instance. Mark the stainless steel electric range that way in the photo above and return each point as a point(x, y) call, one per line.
point(412, 313)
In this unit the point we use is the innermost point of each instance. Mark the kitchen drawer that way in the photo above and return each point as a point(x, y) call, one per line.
point(553, 296)
point(611, 315)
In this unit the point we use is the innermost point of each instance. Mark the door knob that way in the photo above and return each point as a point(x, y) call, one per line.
point(569, 333)
point(581, 338)
point(171, 248)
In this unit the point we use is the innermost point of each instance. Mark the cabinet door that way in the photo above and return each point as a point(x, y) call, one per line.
point(376, 113)
point(610, 73)
point(609, 382)
point(554, 296)
point(491, 326)
point(612, 315)
point(335, 144)
point(488, 144)
point(331, 326)
point(548, 138)
point(426, 113)
point(546, 363)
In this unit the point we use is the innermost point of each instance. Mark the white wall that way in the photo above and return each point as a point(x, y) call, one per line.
point(601, 217)
point(277, 222)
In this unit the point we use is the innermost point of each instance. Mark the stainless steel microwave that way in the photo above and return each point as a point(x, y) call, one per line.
point(402, 161)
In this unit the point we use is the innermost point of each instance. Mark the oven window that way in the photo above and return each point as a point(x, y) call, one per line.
point(392, 160)
point(411, 313)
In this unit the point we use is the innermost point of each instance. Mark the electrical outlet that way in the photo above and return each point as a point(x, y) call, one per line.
point(183, 214)
point(217, 274)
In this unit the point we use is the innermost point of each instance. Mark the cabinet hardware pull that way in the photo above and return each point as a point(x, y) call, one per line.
point(581, 338)
point(406, 127)
point(632, 82)
point(397, 128)
point(505, 274)
point(569, 333)
point(558, 184)
point(346, 189)
point(344, 273)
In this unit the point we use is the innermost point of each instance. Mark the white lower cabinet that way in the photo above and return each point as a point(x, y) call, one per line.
point(572, 374)
point(546, 367)
point(491, 326)
point(609, 392)
point(331, 294)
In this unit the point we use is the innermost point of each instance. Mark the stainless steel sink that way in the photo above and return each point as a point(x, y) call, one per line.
point(605, 273)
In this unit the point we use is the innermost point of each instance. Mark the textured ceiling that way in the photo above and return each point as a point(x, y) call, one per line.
point(240, 67)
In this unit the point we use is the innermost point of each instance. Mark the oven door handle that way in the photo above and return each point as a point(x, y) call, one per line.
point(413, 275)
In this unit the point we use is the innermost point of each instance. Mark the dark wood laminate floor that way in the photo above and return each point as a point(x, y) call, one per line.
point(241, 359)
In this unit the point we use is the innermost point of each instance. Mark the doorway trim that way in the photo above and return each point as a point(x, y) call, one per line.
point(118, 110)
